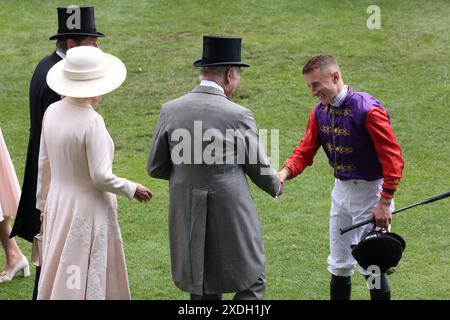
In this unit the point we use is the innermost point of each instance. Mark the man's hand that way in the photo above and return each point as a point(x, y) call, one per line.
point(281, 189)
point(382, 213)
point(142, 194)
point(284, 175)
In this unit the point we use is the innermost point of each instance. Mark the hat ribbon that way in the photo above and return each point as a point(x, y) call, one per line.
point(85, 74)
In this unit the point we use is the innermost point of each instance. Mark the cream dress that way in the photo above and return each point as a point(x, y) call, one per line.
point(9, 186)
point(82, 249)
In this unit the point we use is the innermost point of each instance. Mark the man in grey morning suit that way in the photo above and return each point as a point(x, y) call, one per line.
point(214, 230)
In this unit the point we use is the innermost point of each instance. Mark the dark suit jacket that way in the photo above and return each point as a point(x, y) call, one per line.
point(27, 223)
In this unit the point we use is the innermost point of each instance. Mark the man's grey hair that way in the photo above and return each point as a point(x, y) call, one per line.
point(215, 72)
point(61, 43)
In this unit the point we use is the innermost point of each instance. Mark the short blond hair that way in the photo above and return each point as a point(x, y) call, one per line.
point(319, 61)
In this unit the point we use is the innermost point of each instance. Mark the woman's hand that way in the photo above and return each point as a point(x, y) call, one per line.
point(142, 194)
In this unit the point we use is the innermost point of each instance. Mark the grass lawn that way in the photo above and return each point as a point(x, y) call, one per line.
point(405, 64)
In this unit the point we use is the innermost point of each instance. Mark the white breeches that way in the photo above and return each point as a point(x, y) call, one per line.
point(352, 201)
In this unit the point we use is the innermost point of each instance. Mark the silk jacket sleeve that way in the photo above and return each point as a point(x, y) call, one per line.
point(388, 150)
point(304, 153)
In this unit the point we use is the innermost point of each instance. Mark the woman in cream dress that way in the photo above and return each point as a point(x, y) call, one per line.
point(16, 262)
point(82, 249)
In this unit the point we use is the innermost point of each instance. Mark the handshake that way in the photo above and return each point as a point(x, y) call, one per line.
point(283, 175)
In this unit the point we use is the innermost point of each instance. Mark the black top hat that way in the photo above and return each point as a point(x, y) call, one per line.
point(76, 21)
point(382, 249)
point(221, 51)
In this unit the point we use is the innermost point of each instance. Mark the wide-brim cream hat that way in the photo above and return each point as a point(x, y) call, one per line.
point(86, 72)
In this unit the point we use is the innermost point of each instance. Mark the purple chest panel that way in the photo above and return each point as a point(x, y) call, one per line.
point(345, 140)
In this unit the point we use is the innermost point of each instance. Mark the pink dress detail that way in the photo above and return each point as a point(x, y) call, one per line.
point(9, 186)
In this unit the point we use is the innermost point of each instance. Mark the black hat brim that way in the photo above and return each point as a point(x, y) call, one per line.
point(398, 238)
point(199, 64)
point(76, 34)
point(382, 251)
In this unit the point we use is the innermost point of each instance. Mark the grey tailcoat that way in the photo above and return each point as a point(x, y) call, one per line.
point(214, 230)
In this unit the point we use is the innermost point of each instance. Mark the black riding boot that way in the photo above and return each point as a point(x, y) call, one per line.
point(381, 291)
point(340, 288)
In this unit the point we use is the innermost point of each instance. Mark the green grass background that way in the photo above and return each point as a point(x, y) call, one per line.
point(405, 65)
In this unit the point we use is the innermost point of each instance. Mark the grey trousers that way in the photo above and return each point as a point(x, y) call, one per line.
point(254, 292)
